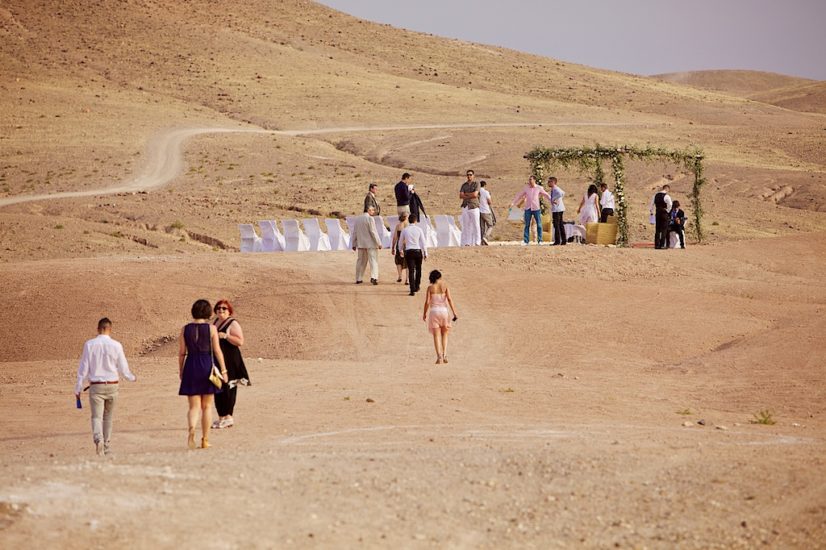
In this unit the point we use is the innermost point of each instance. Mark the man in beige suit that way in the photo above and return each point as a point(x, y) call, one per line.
point(365, 239)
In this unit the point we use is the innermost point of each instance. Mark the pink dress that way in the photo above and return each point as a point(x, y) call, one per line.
point(439, 314)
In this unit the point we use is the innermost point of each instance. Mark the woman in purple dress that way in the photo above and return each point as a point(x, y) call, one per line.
point(197, 344)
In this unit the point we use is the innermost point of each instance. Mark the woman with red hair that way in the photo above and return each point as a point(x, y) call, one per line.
point(231, 338)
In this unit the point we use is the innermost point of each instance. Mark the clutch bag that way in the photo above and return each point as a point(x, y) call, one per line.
point(215, 377)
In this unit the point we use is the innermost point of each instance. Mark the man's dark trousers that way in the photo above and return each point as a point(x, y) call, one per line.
point(413, 257)
point(661, 228)
point(559, 229)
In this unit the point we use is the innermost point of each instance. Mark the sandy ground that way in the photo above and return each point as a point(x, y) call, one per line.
point(569, 415)
point(595, 397)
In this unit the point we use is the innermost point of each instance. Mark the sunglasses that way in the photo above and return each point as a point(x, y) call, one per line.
point(221, 308)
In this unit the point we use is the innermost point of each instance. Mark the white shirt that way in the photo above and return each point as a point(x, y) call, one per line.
point(557, 204)
point(607, 199)
point(484, 201)
point(412, 238)
point(101, 361)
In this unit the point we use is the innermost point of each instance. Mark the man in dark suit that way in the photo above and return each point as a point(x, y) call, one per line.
point(370, 200)
point(661, 203)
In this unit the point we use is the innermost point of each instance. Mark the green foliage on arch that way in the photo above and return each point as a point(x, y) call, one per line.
point(590, 159)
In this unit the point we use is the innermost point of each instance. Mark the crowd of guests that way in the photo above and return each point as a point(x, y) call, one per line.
point(210, 369)
point(478, 219)
point(210, 364)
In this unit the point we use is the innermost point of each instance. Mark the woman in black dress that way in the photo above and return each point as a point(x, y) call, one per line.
point(231, 338)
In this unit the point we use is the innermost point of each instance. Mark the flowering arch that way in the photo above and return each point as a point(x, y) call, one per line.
point(589, 159)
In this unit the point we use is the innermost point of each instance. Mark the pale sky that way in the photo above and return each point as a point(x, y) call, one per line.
point(643, 37)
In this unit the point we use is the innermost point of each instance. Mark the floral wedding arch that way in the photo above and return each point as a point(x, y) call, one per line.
point(589, 159)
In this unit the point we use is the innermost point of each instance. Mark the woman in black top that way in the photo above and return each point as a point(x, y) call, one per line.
point(231, 338)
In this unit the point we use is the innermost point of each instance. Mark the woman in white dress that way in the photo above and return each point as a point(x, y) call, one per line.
point(588, 211)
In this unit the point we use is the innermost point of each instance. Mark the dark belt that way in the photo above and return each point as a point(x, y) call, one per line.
point(104, 382)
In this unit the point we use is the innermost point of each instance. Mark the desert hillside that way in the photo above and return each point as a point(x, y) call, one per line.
point(796, 94)
point(595, 396)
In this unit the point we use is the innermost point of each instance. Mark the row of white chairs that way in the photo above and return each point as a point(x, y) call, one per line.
point(312, 238)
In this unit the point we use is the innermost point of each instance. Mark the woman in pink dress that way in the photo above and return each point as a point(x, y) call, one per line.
point(436, 314)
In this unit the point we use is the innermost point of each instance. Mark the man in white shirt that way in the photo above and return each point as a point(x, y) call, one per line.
point(557, 211)
point(486, 218)
point(100, 364)
point(413, 248)
point(469, 193)
point(606, 203)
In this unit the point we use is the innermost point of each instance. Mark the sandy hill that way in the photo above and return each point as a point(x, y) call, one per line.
point(797, 94)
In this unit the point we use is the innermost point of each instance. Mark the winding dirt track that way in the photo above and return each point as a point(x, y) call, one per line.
point(166, 161)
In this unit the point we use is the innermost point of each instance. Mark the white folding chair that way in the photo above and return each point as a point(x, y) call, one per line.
point(447, 234)
point(319, 240)
point(429, 232)
point(250, 241)
point(294, 239)
point(384, 235)
point(339, 239)
point(271, 238)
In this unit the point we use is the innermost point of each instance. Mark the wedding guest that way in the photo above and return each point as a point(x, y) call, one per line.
point(231, 338)
point(197, 344)
point(531, 193)
point(469, 193)
point(557, 211)
point(398, 257)
point(413, 245)
point(402, 192)
point(589, 207)
point(365, 239)
point(370, 200)
point(606, 202)
point(100, 363)
point(677, 224)
point(659, 207)
point(487, 218)
point(436, 302)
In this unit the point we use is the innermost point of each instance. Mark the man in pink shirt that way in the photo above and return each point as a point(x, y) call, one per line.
point(531, 193)
point(100, 364)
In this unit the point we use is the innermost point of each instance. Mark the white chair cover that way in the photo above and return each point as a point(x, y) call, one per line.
point(351, 223)
point(392, 222)
point(384, 234)
point(250, 241)
point(575, 231)
point(429, 232)
point(271, 238)
point(339, 239)
point(295, 239)
point(319, 240)
point(447, 234)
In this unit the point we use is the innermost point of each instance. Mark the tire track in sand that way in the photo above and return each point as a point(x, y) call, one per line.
point(165, 159)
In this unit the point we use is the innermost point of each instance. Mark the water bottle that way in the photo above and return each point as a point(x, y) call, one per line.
point(78, 403)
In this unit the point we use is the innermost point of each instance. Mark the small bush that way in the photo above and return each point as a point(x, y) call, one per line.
point(764, 417)
point(177, 224)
